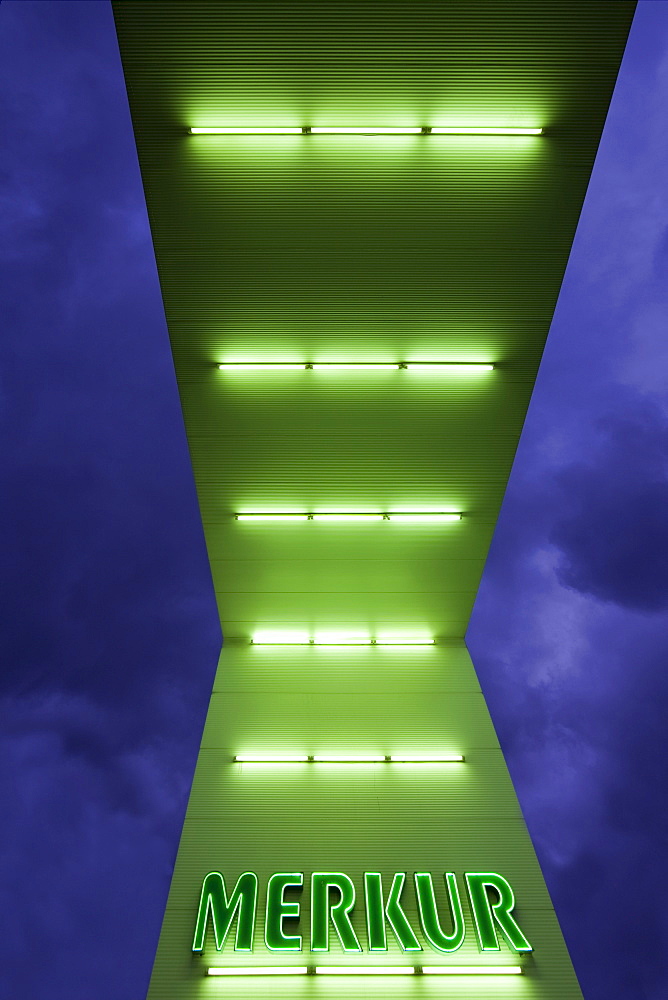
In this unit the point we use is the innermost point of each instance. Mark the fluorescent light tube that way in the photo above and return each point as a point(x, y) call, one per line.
point(364, 130)
point(344, 759)
point(482, 130)
point(271, 517)
point(424, 516)
point(251, 758)
point(464, 368)
point(361, 970)
point(348, 517)
point(324, 639)
point(403, 642)
point(471, 970)
point(336, 639)
point(449, 758)
point(260, 970)
point(260, 366)
point(269, 638)
point(280, 758)
point(255, 130)
point(354, 366)
point(351, 516)
point(361, 130)
point(281, 642)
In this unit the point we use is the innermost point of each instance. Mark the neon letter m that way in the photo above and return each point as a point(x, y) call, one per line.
point(214, 901)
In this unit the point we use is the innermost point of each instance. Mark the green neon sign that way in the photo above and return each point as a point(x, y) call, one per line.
point(333, 900)
point(377, 914)
point(486, 914)
point(279, 910)
point(324, 910)
point(214, 903)
point(431, 926)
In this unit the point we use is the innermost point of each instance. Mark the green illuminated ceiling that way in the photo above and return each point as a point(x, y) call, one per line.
point(386, 248)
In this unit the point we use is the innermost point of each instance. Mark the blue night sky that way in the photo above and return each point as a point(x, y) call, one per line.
point(110, 635)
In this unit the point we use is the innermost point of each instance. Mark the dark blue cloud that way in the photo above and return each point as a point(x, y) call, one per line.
point(570, 629)
point(612, 530)
point(110, 633)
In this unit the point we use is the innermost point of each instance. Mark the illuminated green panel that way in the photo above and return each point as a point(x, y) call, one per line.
point(356, 323)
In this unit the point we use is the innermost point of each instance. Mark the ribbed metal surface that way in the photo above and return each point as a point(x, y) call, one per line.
point(391, 248)
point(326, 248)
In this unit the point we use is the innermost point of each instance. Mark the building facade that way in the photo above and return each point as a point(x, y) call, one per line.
point(361, 215)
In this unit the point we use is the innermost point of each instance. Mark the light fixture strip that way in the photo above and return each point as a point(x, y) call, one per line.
point(481, 130)
point(259, 970)
point(360, 970)
point(400, 515)
point(268, 758)
point(347, 759)
point(247, 130)
point(463, 367)
point(488, 130)
point(471, 970)
point(245, 758)
point(402, 642)
point(349, 516)
point(281, 642)
point(450, 758)
point(367, 130)
point(271, 517)
point(342, 641)
point(354, 366)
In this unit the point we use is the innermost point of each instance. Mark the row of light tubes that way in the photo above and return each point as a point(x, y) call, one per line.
point(335, 639)
point(448, 758)
point(361, 130)
point(380, 970)
point(436, 516)
point(462, 368)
